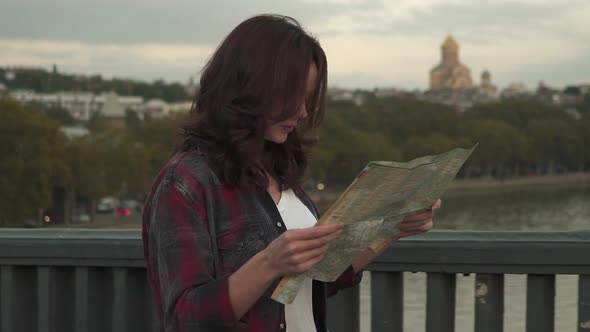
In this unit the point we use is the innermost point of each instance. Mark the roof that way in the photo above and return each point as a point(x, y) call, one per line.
point(450, 43)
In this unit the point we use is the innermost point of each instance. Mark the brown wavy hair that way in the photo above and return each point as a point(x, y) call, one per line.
point(260, 67)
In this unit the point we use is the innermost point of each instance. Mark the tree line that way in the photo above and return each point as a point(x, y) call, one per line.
point(43, 81)
point(516, 138)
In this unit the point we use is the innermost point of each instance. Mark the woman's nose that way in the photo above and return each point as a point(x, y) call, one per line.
point(302, 112)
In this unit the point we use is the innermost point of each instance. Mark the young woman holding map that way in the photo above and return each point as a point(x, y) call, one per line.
point(227, 217)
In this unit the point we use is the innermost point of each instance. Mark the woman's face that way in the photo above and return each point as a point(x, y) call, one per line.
point(279, 131)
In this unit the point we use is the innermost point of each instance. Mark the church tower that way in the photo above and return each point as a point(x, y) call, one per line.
point(450, 51)
point(450, 74)
point(486, 85)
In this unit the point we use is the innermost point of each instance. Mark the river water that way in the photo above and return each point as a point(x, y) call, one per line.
point(538, 208)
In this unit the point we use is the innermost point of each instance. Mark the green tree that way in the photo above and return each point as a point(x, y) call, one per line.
point(555, 143)
point(502, 148)
point(428, 144)
point(31, 146)
point(97, 124)
point(160, 137)
point(85, 173)
point(132, 120)
point(61, 116)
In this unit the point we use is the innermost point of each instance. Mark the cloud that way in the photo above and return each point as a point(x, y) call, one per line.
point(135, 21)
point(146, 61)
point(368, 43)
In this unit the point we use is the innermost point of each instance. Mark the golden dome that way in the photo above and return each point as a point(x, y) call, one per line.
point(450, 43)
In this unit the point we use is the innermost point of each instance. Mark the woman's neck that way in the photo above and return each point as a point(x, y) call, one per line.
point(274, 189)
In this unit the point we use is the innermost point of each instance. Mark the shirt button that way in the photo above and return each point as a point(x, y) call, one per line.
point(279, 224)
point(282, 326)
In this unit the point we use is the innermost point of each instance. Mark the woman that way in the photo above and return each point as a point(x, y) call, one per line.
point(226, 217)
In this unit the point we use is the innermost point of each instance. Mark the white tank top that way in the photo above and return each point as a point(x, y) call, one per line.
point(299, 314)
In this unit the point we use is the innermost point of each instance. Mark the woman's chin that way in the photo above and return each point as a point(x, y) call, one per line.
point(279, 139)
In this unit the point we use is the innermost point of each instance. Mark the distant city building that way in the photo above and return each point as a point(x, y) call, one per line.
point(389, 92)
point(156, 108)
point(74, 131)
point(515, 90)
point(486, 91)
point(451, 83)
point(552, 95)
point(336, 93)
point(450, 74)
point(114, 111)
point(356, 96)
point(486, 83)
point(80, 104)
point(577, 93)
point(192, 87)
point(181, 107)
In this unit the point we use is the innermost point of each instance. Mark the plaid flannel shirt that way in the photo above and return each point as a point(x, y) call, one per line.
point(196, 232)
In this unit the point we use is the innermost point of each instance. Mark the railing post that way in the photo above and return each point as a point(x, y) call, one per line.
point(81, 280)
point(387, 301)
point(343, 311)
point(489, 303)
point(440, 302)
point(6, 295)
point(540, 310)
point(44, 297)
point(119, 299)
point(584, 303)
point(81, 299)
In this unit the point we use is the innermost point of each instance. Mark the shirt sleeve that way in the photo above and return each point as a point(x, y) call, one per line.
point(346, 280)
point(193, 299)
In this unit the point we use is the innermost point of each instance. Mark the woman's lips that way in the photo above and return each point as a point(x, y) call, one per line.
point(287, 129)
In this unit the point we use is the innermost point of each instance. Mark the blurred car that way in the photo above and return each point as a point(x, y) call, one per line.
point(81, 218)
point(106, 205)
point(52, 217)
point(129, 207)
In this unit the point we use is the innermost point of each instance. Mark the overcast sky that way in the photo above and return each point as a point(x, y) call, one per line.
point(368, 43)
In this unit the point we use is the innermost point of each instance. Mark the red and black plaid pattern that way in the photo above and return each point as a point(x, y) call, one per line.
point(196, 232)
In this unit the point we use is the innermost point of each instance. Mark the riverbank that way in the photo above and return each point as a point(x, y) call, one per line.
point(544, 180)
point(325, 198)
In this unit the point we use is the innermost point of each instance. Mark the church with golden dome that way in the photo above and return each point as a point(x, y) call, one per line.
point(450, 74)
point(451, 83)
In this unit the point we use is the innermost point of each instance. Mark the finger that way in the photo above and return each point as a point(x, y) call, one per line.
point(304, 245)
point(437, 205)
point(308, 264)
point(418, 220)
point(423, 227)
point(419, 216)
point(314, 231)
point(414, 225)
point(309, 254)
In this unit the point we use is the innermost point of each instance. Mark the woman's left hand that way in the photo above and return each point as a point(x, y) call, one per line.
point(412, 224)
point(419, 222)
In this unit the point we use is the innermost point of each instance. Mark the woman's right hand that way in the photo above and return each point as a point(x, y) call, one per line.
point(298, 250)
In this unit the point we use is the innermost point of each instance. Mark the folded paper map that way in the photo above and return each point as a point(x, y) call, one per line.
point(373, 206)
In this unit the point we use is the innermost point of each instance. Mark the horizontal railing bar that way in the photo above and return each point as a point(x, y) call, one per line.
point(436, 251)
point(435, 235)
point(49, 261)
